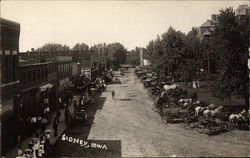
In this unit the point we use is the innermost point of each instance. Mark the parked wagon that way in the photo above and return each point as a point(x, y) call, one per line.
point(211, 127)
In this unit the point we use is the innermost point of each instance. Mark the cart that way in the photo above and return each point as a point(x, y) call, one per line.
point(80, 114)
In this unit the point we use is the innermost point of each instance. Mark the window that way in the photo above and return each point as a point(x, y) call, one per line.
point(24, 78)
point(29, 76)
point(7, 68)
point(14, 67)
point(34, 75)
point(39, 75)
point(43, 72)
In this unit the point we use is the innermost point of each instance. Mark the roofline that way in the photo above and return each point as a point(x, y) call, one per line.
point(9, 22)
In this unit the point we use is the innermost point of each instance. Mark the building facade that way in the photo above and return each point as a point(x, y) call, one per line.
point(9, 50)
point(204, 31)
point(33, 84)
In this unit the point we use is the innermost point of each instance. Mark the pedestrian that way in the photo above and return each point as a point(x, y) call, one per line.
point(47, 145)
point(82, 102)
point(44, 123)
point(19, 151)
point(104, 86)
point(30, 147)
point(92, 100)
point(113, 94)
point(66, 115)
point(46, 112)
point(33, 122)
point(58, 114)
point(60, 102)
point(75, 104)
point(36, 143)
point(55, 127)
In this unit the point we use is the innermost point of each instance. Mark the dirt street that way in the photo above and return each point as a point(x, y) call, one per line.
point(129, 119)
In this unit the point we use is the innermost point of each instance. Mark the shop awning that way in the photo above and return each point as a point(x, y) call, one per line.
point(46, 86)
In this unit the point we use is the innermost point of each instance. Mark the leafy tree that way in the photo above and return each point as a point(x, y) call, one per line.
point(81, 47)
point(133, 56)
point(117, 52)
point(174, 49)
point(154, 55)
point(192, 59)
point(230, 40)
point(52, 47)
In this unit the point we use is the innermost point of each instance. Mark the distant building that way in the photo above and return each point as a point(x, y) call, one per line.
point(64, 72)
point(242, 10)
point(33, 79)
point(205, 30)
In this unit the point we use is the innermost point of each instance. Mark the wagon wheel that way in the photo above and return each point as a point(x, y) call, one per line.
point(224, 126)
point(208, 129)
point(186, 124)
point(200, 130)
point(164, 119)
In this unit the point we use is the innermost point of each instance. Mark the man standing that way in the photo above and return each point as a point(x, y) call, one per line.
point(66, 115)
point(113, 94)
point(55, 126)
point(58, 114)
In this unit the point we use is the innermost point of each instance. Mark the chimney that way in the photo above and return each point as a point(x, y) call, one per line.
point(214, 17)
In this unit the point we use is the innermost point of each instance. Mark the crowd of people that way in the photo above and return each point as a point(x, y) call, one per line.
point(40, 143)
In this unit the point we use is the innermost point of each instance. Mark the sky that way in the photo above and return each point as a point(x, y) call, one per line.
point(132, 23)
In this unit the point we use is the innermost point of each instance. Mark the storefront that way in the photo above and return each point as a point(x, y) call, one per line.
point(63, 87)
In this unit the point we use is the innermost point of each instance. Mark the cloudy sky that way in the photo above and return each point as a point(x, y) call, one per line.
point(132, 23)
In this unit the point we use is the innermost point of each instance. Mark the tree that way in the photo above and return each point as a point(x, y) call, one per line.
point(192, 58)
point(52, 47)
point(230, 40)
point(133, 56)
point(81, 47)
point(117, 52)
point(154, 55)
point(174, 49)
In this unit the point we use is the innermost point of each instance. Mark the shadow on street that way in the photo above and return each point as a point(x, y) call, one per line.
point(79, 129)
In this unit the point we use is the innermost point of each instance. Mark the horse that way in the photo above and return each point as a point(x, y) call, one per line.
point(235, 119)
point(199, 110)
point(213, 113)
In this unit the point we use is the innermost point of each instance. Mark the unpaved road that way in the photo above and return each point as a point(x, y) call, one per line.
point(129, 118)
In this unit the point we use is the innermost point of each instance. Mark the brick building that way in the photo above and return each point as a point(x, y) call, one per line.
point(9, 50)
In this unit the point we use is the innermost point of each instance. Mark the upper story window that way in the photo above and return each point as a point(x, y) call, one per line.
point(34, 75)
point(29, 77)
point(39, 74)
